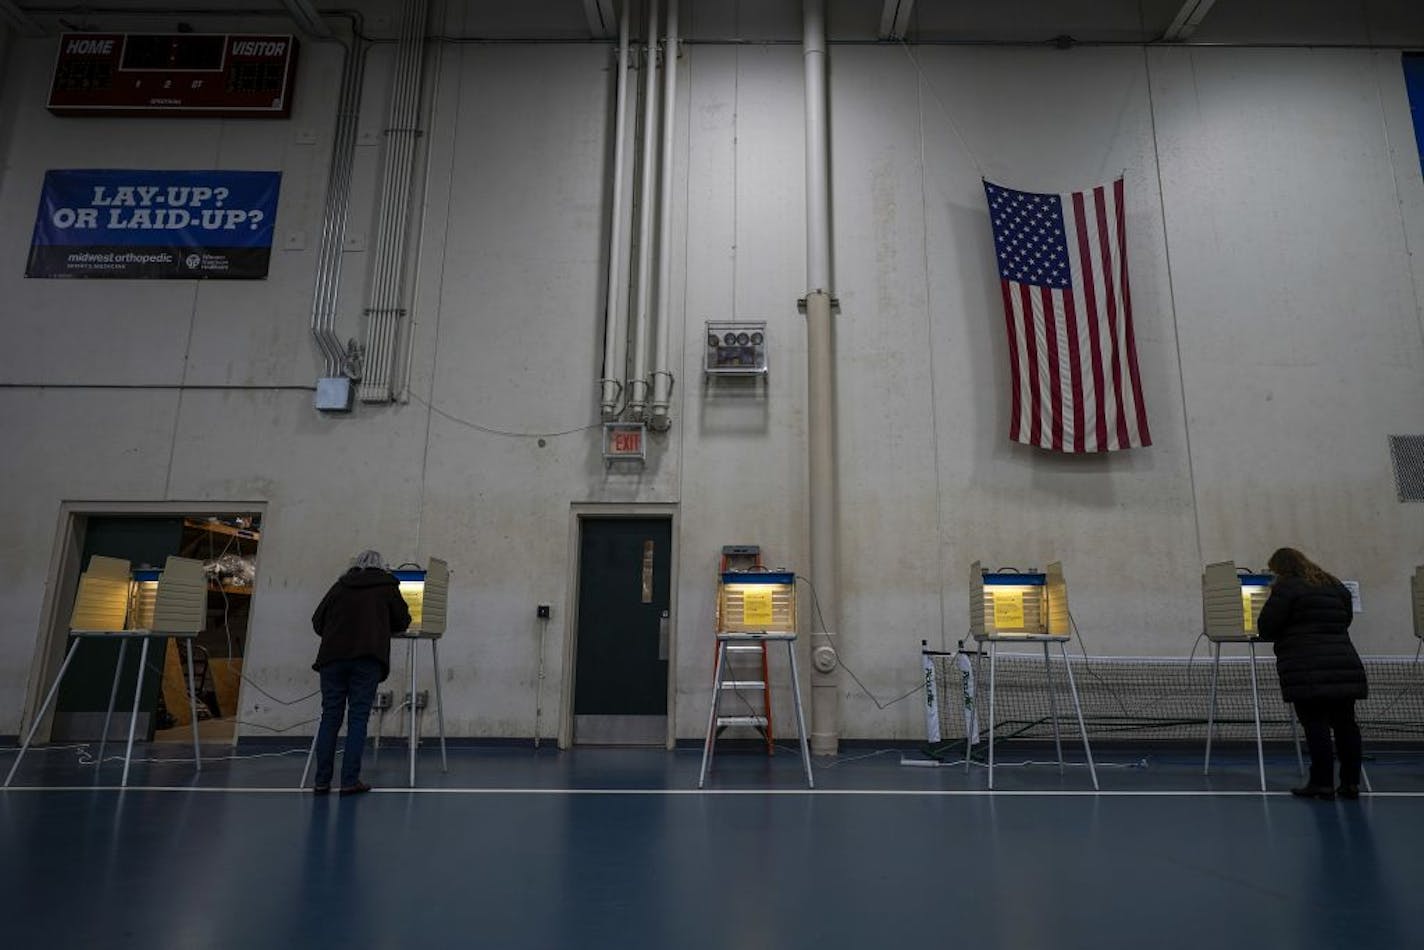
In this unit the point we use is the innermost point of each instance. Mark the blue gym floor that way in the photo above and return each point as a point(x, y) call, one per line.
point(591, 848)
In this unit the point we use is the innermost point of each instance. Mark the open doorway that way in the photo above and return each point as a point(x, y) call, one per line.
point(227, 544)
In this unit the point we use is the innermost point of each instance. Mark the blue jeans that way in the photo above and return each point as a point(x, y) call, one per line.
point(345, 684)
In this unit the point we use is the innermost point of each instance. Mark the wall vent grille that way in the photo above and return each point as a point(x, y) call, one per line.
point(1407, 453)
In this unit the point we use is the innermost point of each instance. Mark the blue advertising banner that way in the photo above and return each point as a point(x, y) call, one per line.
point(1414, 85)
point(131, 223)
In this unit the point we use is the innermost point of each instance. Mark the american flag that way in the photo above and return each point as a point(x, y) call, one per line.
point(1063, 273)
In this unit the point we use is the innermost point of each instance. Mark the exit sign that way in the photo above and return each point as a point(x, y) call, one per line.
point(624, 441)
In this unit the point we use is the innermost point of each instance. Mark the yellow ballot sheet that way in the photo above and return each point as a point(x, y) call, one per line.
point(756, 608)
point(1008, 609)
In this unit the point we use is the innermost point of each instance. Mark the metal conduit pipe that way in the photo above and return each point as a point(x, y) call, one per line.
point(435, 56)
point(412, 132)
point(638, 375)
point(384, 311)
point(615, 339)
point(377, 310)
point(820, 395)
point(338, 201)
point(662, 375)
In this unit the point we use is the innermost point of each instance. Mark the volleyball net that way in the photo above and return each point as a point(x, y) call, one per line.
point(1144, 699)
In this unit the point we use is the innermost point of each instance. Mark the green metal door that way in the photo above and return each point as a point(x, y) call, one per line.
point(621, 667)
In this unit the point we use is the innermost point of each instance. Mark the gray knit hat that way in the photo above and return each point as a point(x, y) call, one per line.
point(369, 558)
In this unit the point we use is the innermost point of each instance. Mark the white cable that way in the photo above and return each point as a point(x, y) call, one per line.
point(86, 759)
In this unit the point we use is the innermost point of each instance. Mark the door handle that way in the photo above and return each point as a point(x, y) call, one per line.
point(663, 636)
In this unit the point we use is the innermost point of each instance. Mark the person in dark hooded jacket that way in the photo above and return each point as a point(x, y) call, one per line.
point(355, 621)
point(1307, 620)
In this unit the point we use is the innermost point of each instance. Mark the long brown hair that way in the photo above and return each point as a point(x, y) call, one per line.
point(1288, 562)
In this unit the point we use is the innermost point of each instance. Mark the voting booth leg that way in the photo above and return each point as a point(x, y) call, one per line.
point(380, 727)
point(414, 719)
point(800, 717)
point(993, 652)
point(311, 751)
point(439, 705)
point(113, 695)
point(707, 743)
point(1256, 708)
point(1295, 738)
point(1211, 706)
point(193, 709)
point(968, 731)
point(1078, 708)
point(44, 708)
point(1053, 703)
point(133, 717)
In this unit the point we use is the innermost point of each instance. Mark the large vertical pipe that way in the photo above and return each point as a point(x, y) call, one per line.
point(638, 375)
point(662, 374)
point(615, 340)
point(820, 395)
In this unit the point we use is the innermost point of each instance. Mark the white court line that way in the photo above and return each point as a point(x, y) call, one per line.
point(847, 792)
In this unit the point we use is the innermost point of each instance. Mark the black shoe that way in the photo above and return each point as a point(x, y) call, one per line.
point(321, 790)
point(1323, 792)
point(1348, 792)
point(360, 787)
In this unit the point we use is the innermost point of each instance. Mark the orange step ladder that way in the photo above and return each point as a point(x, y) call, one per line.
point(741, 669)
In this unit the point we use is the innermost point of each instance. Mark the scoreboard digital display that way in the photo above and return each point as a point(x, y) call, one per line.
point(174, 74)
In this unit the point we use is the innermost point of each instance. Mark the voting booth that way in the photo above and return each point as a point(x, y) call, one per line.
point(113, 601)
point(755, 607)
point(1014, 604)
point(1232, 599)
point(1010, 605)
point(756, 601)
point(427, 592)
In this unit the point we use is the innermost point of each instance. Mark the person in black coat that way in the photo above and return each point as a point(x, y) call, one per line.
point(1307, 619)
point(355, 621)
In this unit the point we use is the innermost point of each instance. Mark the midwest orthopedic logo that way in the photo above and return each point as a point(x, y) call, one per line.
point(113, 257)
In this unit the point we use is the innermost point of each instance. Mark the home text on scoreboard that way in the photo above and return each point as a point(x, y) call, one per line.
point(174, 74)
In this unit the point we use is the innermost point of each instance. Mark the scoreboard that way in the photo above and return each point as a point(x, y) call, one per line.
point(174, 74)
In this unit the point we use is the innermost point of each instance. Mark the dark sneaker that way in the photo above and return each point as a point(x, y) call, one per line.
point(321, 790)
point(360, 787)
point(1348, 792)
point(1323, 792)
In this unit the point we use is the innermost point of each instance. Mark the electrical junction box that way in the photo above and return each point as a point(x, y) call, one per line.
point(333, 394)
point(735, 349)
